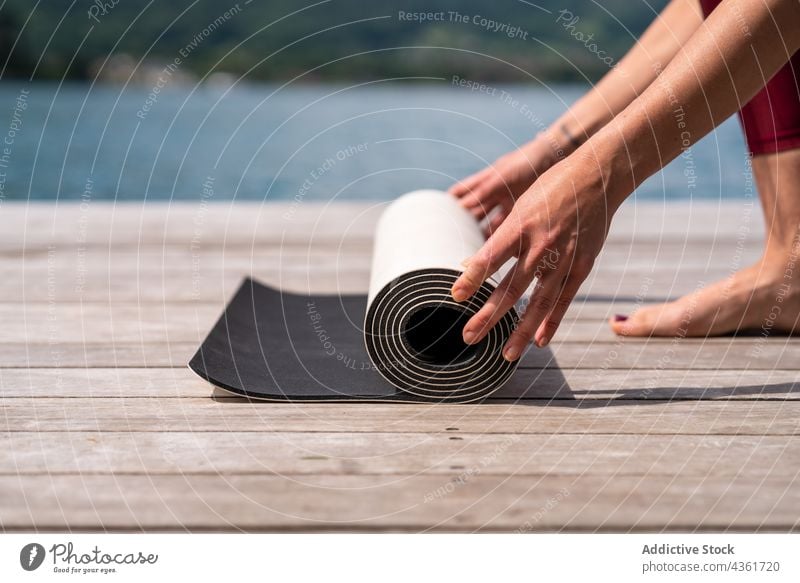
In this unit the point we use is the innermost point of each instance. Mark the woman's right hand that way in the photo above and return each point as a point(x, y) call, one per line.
point(498, 186)
point(554, 233)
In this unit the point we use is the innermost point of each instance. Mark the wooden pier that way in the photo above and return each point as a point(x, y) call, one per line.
point(103, 427)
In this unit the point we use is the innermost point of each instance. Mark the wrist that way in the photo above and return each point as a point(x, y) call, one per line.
point(553, 145)
point(539, 154)
point(629, 149)
point(564, 137)
point(612, 167)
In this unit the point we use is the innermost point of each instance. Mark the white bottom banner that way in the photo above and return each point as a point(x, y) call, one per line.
point(402, 558)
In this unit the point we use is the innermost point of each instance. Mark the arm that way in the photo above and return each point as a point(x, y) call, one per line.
point(557, 228)
point(512, 174)
point(720, 69)
point(631, 76)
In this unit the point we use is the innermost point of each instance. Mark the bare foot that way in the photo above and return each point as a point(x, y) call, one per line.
point(764, 297)
point(759, 298)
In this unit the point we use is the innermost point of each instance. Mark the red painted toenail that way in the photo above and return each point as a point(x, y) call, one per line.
point(620, 318)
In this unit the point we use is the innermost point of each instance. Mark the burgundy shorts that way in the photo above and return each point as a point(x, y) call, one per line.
point(771, 120)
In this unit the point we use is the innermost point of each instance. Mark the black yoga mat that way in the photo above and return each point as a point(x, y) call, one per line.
point(281, 346)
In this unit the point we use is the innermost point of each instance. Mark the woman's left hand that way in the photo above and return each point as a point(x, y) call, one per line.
point(555, 231)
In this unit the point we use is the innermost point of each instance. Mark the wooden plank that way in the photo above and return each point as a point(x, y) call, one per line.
point(164, 283)
point(552, 383)
point(106, 323)
point(168, 286)
point(409, 503)
point(685, 354)
point(233, 452)
point(656, 384)
point(131, 223)
point(54, 323)
point(190, 322)
point(57, 323)
point(586, 309)
point(624, 354)
point(126, 221)
point(63, 355)
point(615, 417)
point(238, 254)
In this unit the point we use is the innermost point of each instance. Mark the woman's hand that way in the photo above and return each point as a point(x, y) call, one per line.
point(555, 231)
point(498, 186)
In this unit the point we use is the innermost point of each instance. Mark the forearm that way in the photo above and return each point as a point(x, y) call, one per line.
point(725, 63)
point(629, 78)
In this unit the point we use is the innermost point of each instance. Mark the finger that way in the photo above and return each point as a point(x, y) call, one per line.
point(490, 191)
point(505, 295)
point(548, 328)
point(484, 193)
point(542, 301)
point(497, 249)
point(483, 210)
point(481, 203)
point(461, 187)
point(466, 185)
point(476, 195)
point(495, 221)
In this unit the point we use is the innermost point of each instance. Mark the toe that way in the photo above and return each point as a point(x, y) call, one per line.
point(643, 322)
point(617, 323)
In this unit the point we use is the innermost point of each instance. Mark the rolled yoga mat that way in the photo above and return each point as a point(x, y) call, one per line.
point(413, 326)
point(275, 345)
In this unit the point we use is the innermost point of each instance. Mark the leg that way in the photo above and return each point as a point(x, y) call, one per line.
point(749, 299)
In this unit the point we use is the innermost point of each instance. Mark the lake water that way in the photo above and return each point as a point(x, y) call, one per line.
point(319, 142)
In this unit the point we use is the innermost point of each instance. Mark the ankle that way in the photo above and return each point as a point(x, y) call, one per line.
point(783, 242)
point(783, 261)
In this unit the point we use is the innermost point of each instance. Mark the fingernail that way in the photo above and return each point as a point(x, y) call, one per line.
point(459, 293)
point(620, 318)
point(511, 353)
point(544, 342)
point(469, 336)
point(465, 263)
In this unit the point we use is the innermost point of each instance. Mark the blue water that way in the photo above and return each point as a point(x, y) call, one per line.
point(264, 142)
